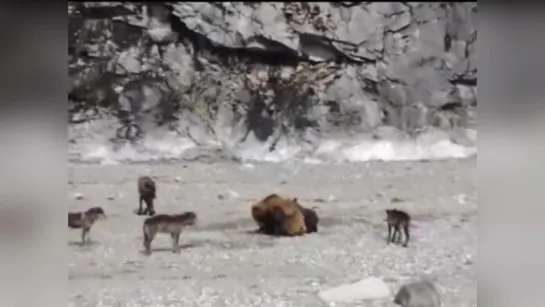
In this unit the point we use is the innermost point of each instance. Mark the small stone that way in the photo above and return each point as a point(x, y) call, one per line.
point(78, 196)
point(230, 194)
point(461, 198)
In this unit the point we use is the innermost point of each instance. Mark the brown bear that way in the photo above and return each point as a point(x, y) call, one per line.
point(279, 216)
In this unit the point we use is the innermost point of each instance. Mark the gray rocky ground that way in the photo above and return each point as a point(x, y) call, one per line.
point(222, 265)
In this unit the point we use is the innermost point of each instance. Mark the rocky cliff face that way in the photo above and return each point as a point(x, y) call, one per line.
point(273, 70)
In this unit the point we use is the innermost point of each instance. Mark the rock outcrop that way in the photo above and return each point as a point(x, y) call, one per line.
point(302, 70)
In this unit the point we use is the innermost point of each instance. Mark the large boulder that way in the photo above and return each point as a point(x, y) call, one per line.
point(418, 294)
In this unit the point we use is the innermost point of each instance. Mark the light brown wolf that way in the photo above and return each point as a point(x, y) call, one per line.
point(166, 223)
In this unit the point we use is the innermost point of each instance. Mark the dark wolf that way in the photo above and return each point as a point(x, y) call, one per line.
point(148, 192)
point(311, 217)
point(397, 220)
point(166, 223)
point(85, 220)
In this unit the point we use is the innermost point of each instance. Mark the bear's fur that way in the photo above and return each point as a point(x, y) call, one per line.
point(279, 216)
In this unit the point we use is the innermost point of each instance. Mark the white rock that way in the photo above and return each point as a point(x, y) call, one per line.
point(233, 194)
point(461, 199)
point(367, 289)
point(78, 196)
